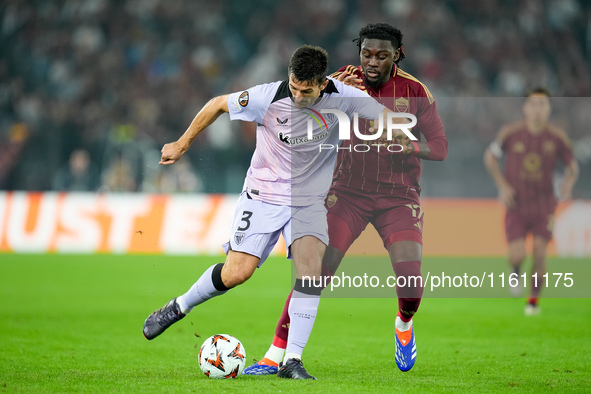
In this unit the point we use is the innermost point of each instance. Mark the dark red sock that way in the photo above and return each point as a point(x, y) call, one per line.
point(408, 275)
point(282, 329)
point(532, 301)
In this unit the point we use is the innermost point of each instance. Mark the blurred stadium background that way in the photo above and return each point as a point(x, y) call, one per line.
point(123, 77)
point(102, 85)
point(98, 86)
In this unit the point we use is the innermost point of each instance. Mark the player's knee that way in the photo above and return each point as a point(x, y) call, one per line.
point(516, 251)
point(516, 257)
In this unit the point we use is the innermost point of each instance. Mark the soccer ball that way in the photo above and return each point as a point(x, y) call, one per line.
point(222, 356)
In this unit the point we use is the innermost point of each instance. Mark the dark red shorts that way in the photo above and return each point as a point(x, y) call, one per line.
point(395, 217)
point(518, 224)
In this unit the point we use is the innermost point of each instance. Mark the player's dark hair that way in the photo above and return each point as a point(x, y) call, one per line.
point(382, 31)
point(309, 64)
point(538, 90)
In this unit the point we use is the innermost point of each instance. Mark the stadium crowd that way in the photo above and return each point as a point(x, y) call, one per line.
point(118, 79)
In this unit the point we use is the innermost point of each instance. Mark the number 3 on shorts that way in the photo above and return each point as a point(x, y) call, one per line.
point(246, 215)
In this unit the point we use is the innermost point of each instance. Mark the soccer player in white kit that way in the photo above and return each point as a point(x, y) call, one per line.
point(284, 191)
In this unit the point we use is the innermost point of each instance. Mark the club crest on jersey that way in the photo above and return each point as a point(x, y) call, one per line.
point(548, 147)
point(239, 237)
point(401, 104)
point(331, 200)
point(518, 147)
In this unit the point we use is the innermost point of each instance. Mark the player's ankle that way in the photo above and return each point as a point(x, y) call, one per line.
point(402, 325)
point(291, 355)
point(183, 305)
point(274, 354)
point(405, 321)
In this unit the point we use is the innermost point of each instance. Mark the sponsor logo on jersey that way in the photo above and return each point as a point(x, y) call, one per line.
point(532, 162)
point(282, 122)
point(300, 140)
point(532, 167)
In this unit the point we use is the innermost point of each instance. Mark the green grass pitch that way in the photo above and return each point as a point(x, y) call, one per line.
point(73, 324)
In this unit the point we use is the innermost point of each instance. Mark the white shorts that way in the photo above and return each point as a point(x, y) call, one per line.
point(257, 226)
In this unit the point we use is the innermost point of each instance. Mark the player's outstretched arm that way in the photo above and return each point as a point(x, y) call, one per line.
point(209, 113)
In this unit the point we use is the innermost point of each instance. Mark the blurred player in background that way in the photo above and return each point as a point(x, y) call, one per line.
point(284, 191)
point(531, 147)
point(379, 187)
point(79, 175)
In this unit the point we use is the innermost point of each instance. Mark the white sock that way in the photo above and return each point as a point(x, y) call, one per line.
point(292, 355)
point(302, 313)
point(200, 292)
point(275, 354)
point(401, 325)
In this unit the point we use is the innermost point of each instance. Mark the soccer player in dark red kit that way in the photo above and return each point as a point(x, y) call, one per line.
point(531, 147)
point(378, 186)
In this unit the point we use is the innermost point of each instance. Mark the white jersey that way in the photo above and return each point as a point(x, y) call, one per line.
point(287, 168)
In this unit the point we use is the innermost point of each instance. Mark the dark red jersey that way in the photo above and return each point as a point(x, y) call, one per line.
point(529, 164)
point(378, 169)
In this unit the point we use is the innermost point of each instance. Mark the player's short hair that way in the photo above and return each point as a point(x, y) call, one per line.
point(382, 31)
point(309, 64)
point(538, 90)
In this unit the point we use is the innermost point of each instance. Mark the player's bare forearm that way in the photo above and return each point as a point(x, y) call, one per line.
point(435, 148)
point(506, 191)
point(571, 173)
point(209, 113)
point(492, 166)
point(424, 151)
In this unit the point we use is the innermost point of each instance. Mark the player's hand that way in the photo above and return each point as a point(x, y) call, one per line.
point(351, 80)
point(507, 196)
point(399, 137)
point(407, 146)
point(172, 152)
